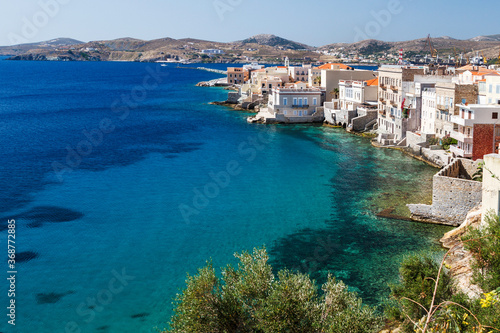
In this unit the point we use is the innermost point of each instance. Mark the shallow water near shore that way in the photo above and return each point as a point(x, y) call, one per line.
point(107, 249)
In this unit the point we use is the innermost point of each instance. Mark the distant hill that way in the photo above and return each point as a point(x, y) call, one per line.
point(486, 38)
point(275, 41)
point(46, 45)
point(264, 48)
point(444, 45)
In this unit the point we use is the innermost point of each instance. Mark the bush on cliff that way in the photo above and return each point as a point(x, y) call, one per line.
point(250, 298)
point(484, 244)
point(418, 274)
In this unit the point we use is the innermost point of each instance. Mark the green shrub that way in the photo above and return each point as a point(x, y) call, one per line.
point(251, 298)
point(417, 282)
point(484, 244)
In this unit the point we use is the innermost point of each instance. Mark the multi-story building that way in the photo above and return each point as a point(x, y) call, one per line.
point(448, 94)
point(295, 103)
point(356, 99)
point(314, 77)
point(492, 89)
point(330, 79)
point(428, 114)
point(396, 114)
point(299, 73)
point(268, 78)
point(477, 130)
point(237, 75)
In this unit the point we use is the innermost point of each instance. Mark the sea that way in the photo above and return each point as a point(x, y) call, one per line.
point(122, 179)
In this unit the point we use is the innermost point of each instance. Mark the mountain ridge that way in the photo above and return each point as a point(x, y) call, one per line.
point(263, 47)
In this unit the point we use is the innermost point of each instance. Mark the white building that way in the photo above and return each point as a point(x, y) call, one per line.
point(212, 51)
point(429, 111)
point(356, 99)
point(293, 104)
point(299, 73)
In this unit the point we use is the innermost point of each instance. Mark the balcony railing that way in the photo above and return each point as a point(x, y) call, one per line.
point(443, 107)
point(382, 85)
point(460, 152)
point(381, 99)
point(394, 88)
point(461, 121)
point(305, 106)
point(462, 137)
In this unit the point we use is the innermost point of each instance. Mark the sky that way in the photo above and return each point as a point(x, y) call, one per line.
point(313, 22)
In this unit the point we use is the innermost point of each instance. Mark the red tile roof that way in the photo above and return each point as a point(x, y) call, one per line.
point(330, 65)
point(372, 82)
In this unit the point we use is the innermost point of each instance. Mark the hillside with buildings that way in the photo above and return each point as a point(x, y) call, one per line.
point(262, 48)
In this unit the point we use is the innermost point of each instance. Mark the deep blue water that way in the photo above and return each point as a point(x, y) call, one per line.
point(309, 193)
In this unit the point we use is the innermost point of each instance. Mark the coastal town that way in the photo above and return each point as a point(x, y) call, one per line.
point(444, 115)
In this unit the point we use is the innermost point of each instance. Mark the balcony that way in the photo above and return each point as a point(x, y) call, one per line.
point(461, 121)
point(381, 112)
point(394, 88)
point(462, 137)
point(305, 106)
point(443, 107)
point(383, 86)
point(460, 152)
point(394, 104)
point(382, 100)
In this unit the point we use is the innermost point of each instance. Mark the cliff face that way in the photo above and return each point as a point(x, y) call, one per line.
point(459, 260)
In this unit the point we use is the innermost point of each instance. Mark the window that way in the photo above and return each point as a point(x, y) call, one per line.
point(490, 88)
point(494, 115)
point(498, 88)
point(306, 102)
point(285, 101)
point(295, 112)
point(300, 101)
point(305, 113)
point(295, 101)
point(315, 101)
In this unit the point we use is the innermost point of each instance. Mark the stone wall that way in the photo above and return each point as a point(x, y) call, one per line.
point(330, 116)
point(453, 195)
point(359, 123)
point(232, 97)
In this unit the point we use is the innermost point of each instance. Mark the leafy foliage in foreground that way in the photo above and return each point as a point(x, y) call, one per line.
point(417, 282)
point(444, 311)
point(484, 244)
point(251, 298)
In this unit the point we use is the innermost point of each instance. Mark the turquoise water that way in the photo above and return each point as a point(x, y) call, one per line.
point(308, 193)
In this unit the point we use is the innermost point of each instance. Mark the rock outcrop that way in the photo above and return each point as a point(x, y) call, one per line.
point(459, 259)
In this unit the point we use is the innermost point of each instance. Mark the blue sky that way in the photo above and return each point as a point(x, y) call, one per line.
point(314, 22)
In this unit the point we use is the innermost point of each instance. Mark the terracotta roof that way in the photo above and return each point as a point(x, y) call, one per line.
point(372, 82)
point(330, 65)
point(490, 72)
